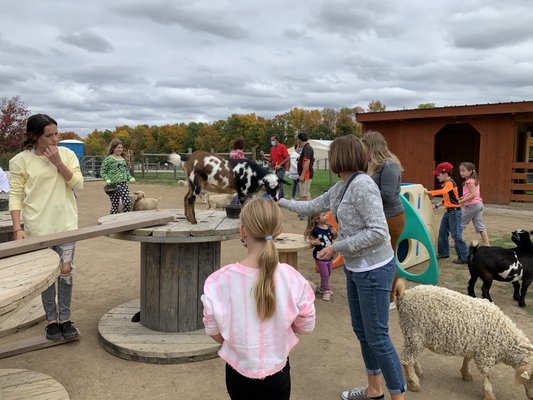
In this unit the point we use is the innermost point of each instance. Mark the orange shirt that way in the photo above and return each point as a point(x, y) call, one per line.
point(449, 193)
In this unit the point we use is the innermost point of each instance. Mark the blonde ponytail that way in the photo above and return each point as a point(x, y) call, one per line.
point(263, 221)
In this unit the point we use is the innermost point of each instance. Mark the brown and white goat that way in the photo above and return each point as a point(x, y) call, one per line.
point(207, 171)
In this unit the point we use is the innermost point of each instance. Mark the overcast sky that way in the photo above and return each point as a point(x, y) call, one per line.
point(109, 63)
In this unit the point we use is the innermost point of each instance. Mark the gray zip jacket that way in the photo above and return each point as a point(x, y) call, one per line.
point(363, 232)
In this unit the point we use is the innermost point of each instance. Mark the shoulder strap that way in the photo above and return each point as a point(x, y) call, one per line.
point(347, 185)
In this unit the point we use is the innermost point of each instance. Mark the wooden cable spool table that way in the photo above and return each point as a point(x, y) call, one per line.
point(288, 245)
point(6, 226)
point(176, 258)
point(22, 278)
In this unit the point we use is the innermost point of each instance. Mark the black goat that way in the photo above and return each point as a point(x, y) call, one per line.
point(217, 174)
point(505, 265)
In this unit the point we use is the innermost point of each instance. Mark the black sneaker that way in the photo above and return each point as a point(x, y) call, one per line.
point(53, 331)
point(440, 257)
point(458, 261)
point(69, 330)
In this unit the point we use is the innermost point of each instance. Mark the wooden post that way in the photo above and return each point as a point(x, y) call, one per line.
point(172, 277)
point(142, 164)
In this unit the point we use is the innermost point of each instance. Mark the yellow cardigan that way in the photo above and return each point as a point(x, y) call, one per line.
point(46, 200)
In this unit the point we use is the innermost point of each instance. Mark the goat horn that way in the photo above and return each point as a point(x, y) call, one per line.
point(525, 375)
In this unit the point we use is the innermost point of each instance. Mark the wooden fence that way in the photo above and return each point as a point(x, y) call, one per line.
point(522, 182)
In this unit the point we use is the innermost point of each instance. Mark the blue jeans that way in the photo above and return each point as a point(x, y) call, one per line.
point(281, 175)
point(451, 225)
point(369, 299)
point(294, 188)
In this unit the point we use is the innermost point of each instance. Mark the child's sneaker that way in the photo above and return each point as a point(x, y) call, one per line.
point(68, 330)
point(326, 296)
point(319, 290)
point(53, 331)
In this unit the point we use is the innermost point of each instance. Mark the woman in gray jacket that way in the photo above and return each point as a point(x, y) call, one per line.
point(369, 263)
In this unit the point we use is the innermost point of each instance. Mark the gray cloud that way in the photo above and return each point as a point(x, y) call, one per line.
point(88, 41)
point(175, 61)
point(195, 20)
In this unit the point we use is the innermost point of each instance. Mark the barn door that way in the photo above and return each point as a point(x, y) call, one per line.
point(456, 143)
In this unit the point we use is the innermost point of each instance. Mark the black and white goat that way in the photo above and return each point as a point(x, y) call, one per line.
point(504, 265)
point(208, 171)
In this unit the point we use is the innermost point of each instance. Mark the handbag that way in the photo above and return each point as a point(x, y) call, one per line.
point(110, 188)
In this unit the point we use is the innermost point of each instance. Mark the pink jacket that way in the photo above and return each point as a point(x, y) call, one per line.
point(255, 348)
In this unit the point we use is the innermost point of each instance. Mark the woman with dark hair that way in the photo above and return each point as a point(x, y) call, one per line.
point(115, 171)
point(237, 151)
point(369, 263)
point(43, 180)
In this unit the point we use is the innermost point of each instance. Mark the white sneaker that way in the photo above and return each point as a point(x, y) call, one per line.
point(392, 306)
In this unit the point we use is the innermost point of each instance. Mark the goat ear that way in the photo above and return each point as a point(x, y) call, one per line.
point(524, 375)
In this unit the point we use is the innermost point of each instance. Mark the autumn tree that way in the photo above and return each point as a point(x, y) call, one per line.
point(69, 135)
point(376, 106)
point(12, 123)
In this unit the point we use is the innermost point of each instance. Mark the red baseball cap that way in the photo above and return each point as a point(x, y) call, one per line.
point(443, 167)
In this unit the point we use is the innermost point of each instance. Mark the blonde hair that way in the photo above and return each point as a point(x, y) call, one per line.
point(263, 219)
point(379, 151)
point(347, 154)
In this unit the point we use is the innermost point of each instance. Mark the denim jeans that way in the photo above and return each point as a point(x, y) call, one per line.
point(64, 287)
point(369, 298)
point(451, 225)
point(281, 175)
point(294, 188)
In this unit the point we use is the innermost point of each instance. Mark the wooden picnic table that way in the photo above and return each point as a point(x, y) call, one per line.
point(176, 258)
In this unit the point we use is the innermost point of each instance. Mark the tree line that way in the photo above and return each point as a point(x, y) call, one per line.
point(326, 124)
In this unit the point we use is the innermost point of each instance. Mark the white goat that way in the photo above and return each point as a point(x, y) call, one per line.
point(448, 322)
point(215, 201)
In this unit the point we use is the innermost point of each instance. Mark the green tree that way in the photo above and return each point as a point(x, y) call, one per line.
point(426, 105)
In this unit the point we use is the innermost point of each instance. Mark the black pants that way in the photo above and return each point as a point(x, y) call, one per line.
point(274, 387)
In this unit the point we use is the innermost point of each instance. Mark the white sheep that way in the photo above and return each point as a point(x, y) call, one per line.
point(215, 201)
point(450, 323)
point(141, 203)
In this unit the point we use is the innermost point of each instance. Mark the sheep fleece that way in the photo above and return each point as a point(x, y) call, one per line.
point(448, 322)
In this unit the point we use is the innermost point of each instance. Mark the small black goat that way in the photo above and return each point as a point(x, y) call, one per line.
point(505, 265)
point(207, 171)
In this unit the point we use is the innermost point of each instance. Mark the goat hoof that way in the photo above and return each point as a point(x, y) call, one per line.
point(413, 387)
point(522, 304)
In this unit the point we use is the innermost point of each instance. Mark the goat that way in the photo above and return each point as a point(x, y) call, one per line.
point(448, 322)
point(504, 265)
point(141, 203)
point(207, 171)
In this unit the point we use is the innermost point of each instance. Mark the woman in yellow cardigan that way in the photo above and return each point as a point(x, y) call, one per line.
point(43, 180)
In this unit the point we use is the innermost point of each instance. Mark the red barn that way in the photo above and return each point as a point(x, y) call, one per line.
point(497, 138)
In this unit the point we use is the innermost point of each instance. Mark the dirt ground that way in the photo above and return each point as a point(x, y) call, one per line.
point(323, 363)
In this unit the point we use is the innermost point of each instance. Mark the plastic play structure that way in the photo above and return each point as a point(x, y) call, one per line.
point(416, 244)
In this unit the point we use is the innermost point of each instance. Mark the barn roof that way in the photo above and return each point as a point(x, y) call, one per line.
point(449, 111)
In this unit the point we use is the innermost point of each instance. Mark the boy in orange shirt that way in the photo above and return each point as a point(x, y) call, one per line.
point(451, 220)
